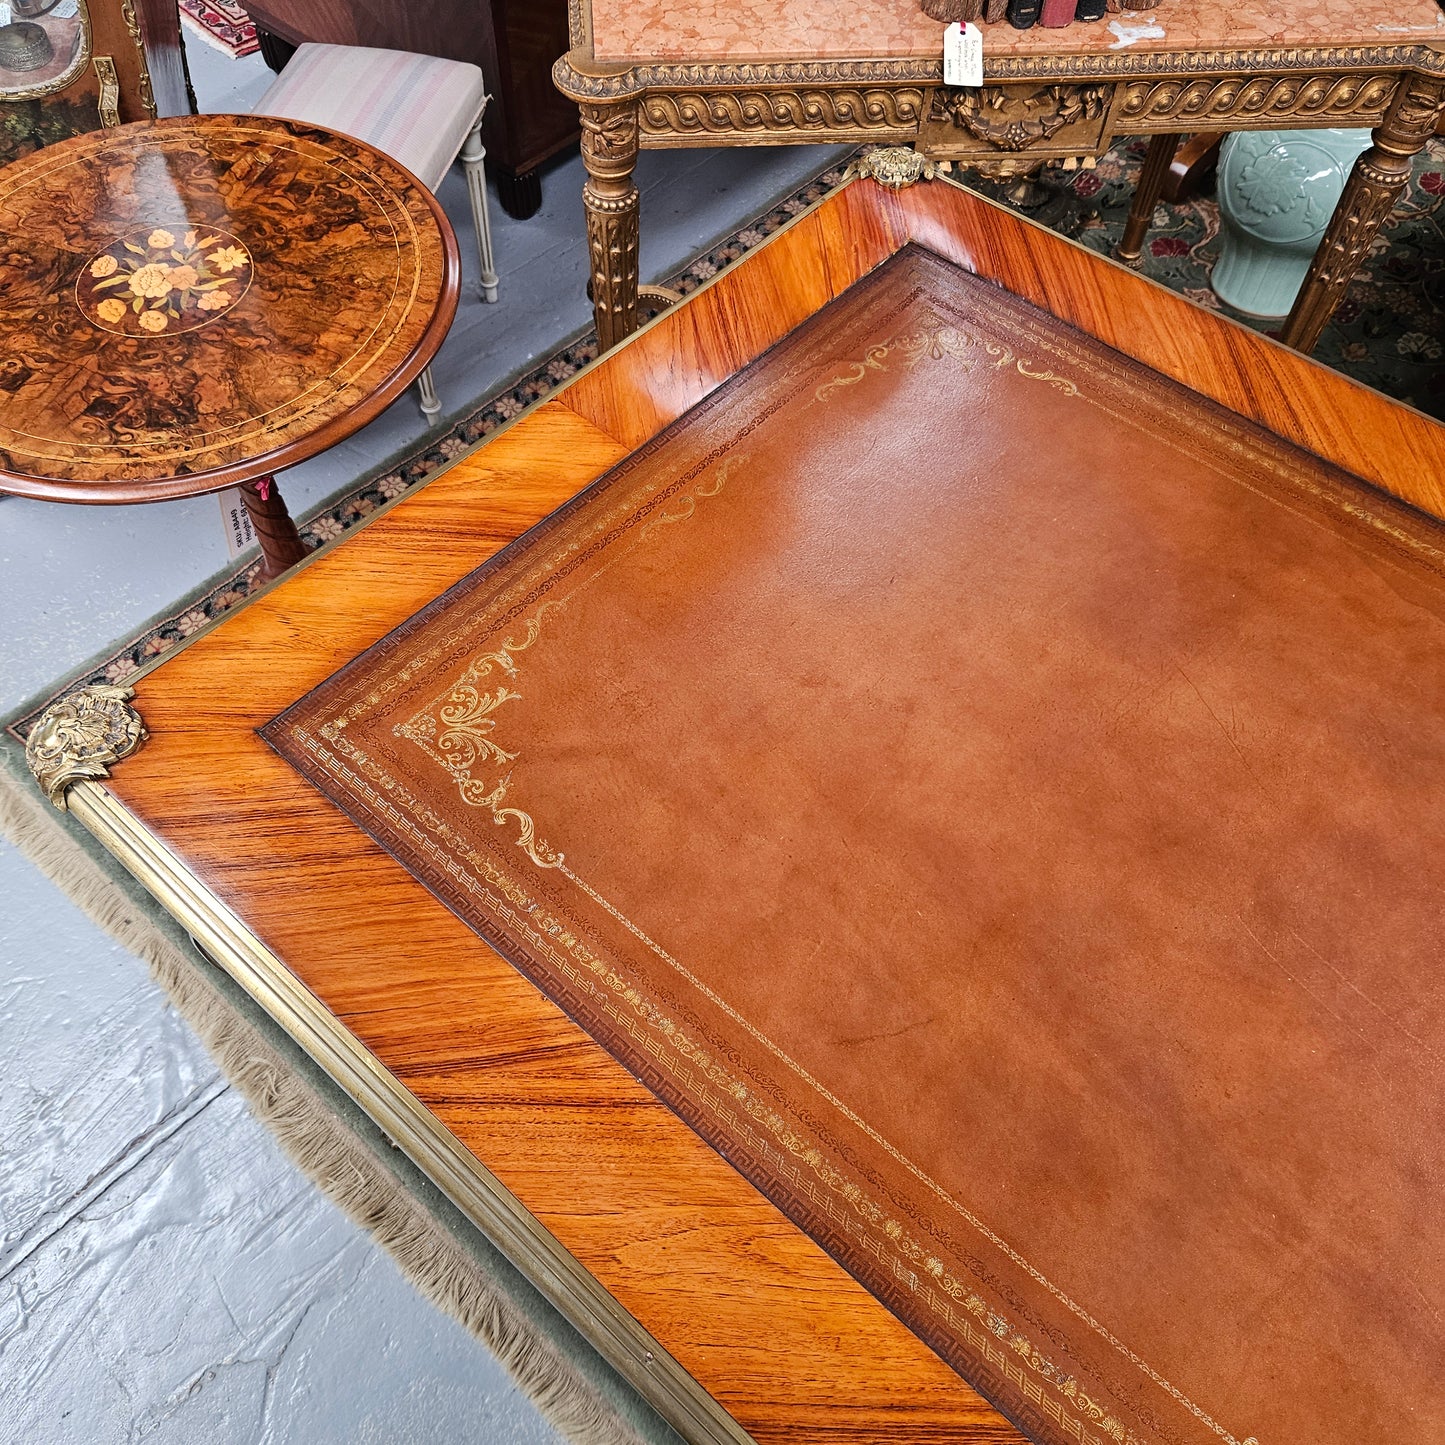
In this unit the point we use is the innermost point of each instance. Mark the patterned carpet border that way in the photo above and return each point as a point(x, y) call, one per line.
point(1388, 333)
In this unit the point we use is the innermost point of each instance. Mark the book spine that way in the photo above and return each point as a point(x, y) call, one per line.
point(1023, 13)
point(1057, 13)
point(995, 10)
point(1091, 10)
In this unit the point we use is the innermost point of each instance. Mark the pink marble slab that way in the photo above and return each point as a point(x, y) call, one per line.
point(628, 30)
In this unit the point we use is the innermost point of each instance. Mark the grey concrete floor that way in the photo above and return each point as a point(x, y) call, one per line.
point(166, 1275)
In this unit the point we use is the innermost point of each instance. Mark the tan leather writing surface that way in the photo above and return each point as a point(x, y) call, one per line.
point(993, 797)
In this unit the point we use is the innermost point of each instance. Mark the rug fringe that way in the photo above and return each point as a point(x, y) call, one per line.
point(319, 1144)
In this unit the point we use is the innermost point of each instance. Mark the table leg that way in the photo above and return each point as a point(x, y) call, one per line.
point(281, 544)
point(609, 151)
point(1375, 184)
point(1146, 195)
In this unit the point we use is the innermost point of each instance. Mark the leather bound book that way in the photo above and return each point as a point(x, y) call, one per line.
point(1022, 14)
point(1090, 10)
point(1057, 13)
point(995, 10)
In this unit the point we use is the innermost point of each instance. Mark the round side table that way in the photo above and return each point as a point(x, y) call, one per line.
point(192, 304)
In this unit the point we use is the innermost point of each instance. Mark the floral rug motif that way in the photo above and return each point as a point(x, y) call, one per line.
point(1389, 333)
point(222, 24)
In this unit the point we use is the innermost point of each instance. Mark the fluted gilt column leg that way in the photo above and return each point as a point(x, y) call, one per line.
point(1146, 195)
point(1380, 175)
point(609, 151)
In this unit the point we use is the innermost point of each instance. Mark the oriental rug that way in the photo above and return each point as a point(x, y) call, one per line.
point(222, 24)
point(984, 789)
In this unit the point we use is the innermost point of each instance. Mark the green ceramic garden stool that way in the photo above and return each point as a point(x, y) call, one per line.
point(1277, 192)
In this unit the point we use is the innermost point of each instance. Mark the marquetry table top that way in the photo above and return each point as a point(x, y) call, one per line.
point(626, 31)
point(192, 302)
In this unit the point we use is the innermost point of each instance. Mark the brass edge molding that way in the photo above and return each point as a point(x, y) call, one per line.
point(132, 24)
point(581, 78)
point(78, 62)
point(80, 736)
point(463, 1178)
point(109, 91)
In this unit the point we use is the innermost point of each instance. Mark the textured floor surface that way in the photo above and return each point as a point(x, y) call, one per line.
point(165, 1274)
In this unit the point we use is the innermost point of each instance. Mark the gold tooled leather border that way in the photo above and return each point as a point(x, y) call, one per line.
point(462, 1177)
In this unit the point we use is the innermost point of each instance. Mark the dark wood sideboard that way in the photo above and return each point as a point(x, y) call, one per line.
point(514, 42)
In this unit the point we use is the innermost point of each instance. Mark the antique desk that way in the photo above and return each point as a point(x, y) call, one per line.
point(191, 304)
point(754, 72)
point(1079, 783)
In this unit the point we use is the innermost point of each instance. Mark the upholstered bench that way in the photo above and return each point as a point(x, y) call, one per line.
point(422, 111)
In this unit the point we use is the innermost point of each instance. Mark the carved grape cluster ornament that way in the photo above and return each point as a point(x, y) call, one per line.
point(80, 736)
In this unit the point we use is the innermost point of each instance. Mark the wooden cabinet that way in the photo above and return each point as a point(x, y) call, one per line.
point(70, 66)
point(514, 42)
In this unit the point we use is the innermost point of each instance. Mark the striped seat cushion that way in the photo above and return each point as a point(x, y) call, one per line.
point(417, 109)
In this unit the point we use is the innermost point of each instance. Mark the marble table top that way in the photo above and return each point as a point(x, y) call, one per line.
point(746, 30)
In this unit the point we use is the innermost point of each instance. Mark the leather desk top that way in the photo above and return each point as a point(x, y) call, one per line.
point(1043, 752)
point(985, 793)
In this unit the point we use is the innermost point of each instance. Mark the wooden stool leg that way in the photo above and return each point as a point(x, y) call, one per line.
point(473, 163)
point(1375, 184)
point(609, 151)
point(1146, 195)
point(281, 544)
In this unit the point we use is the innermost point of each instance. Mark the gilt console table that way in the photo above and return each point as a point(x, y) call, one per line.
point(759, 72)
point(917, 885)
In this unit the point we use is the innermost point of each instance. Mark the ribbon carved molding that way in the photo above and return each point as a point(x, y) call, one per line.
point(80, 736)
point(838, 112)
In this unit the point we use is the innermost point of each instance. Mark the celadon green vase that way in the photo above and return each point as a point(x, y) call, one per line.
point(1277, 192)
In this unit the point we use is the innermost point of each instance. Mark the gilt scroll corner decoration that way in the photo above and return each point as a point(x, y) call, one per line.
point(896, 167)
point(81, 736)
point(1012, 118)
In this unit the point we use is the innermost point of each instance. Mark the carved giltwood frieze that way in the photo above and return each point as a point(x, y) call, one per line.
point(1269, 99)
point(575, 75)
point(842, 112)
point(80, 736)
point(1017, 118)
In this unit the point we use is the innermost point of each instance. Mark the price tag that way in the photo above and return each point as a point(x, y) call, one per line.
point(963, 55)
point(237, 522)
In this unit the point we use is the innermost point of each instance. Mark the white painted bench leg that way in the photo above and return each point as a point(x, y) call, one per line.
point(472, 158)
point(431, 403)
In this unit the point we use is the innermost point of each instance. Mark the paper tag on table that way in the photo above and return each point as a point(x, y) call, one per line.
point(963, 55)
point(237, 522)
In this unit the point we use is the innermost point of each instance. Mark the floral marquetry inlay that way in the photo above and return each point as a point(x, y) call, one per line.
point(161, 280)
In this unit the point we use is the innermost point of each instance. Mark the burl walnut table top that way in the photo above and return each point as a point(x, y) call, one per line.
point(189, 303)
point(743, 30)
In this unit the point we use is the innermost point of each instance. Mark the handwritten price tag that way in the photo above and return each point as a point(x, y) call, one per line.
point(963, 55)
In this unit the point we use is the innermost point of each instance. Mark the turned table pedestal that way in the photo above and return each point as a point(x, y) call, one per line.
point(753, 72)
point(192, 304)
